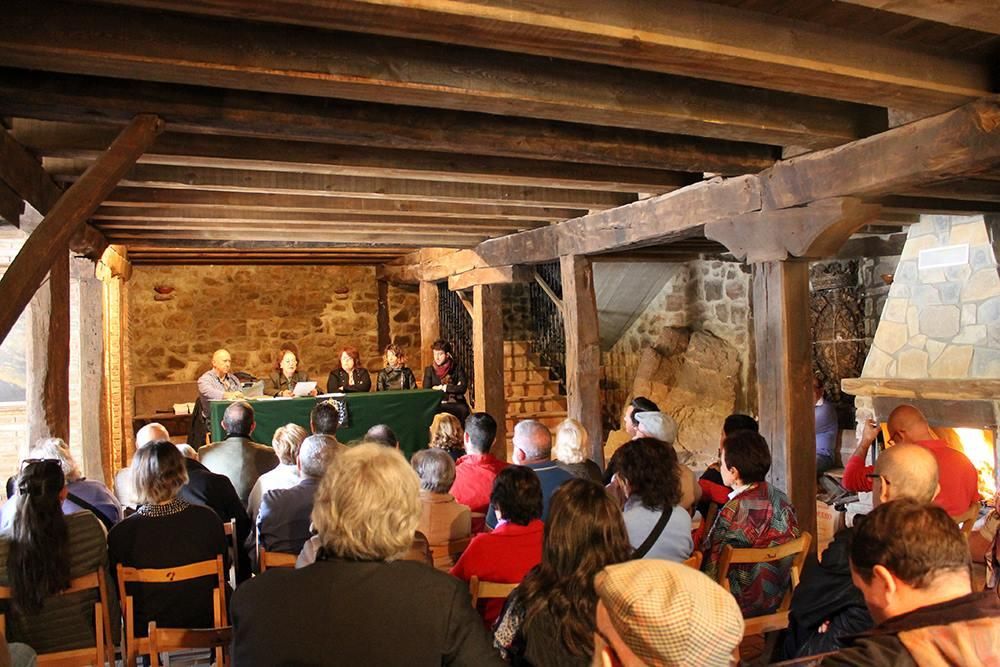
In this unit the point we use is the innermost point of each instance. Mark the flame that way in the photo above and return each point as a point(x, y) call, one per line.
point(978, 446)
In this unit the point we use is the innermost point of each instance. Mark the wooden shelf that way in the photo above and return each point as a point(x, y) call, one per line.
point(926, 389)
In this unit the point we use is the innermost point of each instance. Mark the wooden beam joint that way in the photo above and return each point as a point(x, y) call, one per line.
point(494, 275)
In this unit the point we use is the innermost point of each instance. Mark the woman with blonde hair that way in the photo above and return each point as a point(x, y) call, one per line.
point(570, 451)
point(446, 433)
point(286, 442)
point(396, 374)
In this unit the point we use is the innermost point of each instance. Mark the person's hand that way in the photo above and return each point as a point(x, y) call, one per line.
point(232, 395)
point(286, 392)
point(439, 387)
point(313, 392)
point(870, 431)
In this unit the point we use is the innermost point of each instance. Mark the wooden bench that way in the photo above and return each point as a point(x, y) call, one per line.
point(154, 402)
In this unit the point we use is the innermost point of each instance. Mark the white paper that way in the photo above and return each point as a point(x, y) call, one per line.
point(303, 388)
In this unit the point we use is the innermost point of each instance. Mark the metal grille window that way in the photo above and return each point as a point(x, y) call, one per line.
point(456, 328)
point(546, 321)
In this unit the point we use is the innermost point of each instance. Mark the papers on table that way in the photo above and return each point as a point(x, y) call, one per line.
point(256, 390)
point(303, 388)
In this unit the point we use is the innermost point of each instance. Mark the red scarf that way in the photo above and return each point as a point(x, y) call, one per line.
point(443, 370)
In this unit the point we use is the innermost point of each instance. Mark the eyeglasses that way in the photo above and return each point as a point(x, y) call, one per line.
point(873, 476)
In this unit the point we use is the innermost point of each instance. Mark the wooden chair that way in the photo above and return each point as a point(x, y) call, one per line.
point(270, 559)
point(481, 590)
point(136, 646)
point(103, 649)
point(694, 561)
point(229, 528)
point(451, 550)
point(967, 519)
point(165, 640)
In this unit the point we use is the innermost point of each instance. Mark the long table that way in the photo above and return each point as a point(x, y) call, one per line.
point(409, 413)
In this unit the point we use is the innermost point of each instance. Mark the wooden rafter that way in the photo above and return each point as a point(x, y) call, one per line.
point(983, 15)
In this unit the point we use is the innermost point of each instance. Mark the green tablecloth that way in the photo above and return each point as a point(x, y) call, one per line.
point(408, 413)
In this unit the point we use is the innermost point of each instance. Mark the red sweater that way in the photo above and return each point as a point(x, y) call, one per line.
point(956, 475)
point(503, 556)
point(474, 475)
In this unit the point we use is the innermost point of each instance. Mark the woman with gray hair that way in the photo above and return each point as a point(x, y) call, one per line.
point(83, 495)
point(570, 451)
point(442, 518)
point(286, 442)
point(359, 603)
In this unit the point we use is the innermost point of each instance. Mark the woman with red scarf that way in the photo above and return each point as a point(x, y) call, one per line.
point(447, 375)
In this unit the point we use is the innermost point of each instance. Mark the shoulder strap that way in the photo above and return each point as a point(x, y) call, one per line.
point(91, 508)
point(654, 534)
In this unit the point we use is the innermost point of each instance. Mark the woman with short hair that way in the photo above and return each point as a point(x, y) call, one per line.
point(569, 450)
point(447, 435)
point(351, 376)
point(45, 549)
point(286, 373)
point(550, 618)
point(442, 519)
point(286, 442)
point(446, 374)
point(165, 531)
point(396, 374)
point(359, 603)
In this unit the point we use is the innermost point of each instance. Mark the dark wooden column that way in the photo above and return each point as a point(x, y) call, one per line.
point(784, 381)
point(583, 349)
point(382, 315)
point(430, 321)
point(48, 355)
point(487, 352)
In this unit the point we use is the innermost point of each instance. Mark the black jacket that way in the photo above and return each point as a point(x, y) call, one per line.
point(396, 378)
point(205, 487)
point(456, 383)
point(338, 381)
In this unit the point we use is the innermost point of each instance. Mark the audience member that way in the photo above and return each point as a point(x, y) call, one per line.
point(82, 494)
point(286, 442)
point(550, 618)
point(908, 426)
point(351, 376)
point(396, 374)
point(124, 489)
point(441, 518)
point(757, 515)
point(447, 375)
point(284, 522)
point(286, 373)
point(533, 449)
point(476, 471)
point(662, 427)
point(324, 421)
point(506, 554)
point(638, 405)
point(826, 605)
point(911, 563)
point(44, 550)
point(188, 452)
point(381, 434)
point(827, 429)
point(666, 614)
point(446, 435)
point(657, 526)
point(570, 451)
point(166, 532)
point(238, 457)
point(713, 490)
point(358, 604)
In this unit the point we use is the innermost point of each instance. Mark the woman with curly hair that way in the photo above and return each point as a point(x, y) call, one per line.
point(446, 433)
point(550, 618)
point(396, 374)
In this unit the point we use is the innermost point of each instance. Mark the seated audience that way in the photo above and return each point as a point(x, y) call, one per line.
point(657, 526)
point(827, 429)
point(381, 434)
point(713, 490)
point(351, 376)
point(124, 489)
point(908, 426)
point(46, 548)
point(166, 532)
point(324, 421)
point(82, 494)
point(826, 605)
point(911, 562)
point(358, 604)
point(286, 373)
point(653, 612)
point(570, 451)
point(533, 449)
point(506, 554)
point(238, 457)
point(446, 435)
point(447, 375)
point(284, 522)
point(396, 374)
point(662, 427)
point(476, 471)
point(637, 405)
point(286, 442)
point(549, 619)
point(442, 519)
point(757, 515)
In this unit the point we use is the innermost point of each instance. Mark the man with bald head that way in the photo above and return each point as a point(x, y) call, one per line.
point(219, 383)
point(908, 426)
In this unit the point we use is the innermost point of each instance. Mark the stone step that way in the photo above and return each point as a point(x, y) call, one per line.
point(512, 347)
point(550, 418)
point(530, 404)
point(531, 388)
point(535, 374)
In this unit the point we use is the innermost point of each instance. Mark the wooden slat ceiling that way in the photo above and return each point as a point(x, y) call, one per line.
point(353, 131)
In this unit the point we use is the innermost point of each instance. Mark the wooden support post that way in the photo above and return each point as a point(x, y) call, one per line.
point(487, 352)
point(430, 321)
point(50, 239)
point(583, 349)
point(467, 302)
point(88, 367)
point(382, 315)
point(48, 356)
point(784, 381)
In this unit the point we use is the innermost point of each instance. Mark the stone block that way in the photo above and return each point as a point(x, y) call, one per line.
point(895, 310)
point(912, 363)
point(877, 363)
point(912, 321)
point(958, 274)
point(954, 362)
point(950, 291)
point(986, 363)
point(906, 272)
point(934, 349)
point(941, 322)
point(891, 336)
point(993, 335)
point(989, 311)
point(932, 276)
point(974, 334)
point(735, 289)
point(981, 257)
point(713, 290)
point(968, 314)
point(919, 341)
point(913, 245)
point(983, 284)
point(922, 228)
point(972, 232)
point(924, 295)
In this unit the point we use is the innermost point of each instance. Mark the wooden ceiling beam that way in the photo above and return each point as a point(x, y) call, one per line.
point(200, 110)
point(324, 185)
point(918, 205)
point(71, 140)
point(242, 245)
point(981, 15)
point(78, 38)
point(261, 261)
point(972, 189)
point(414, 239)
point(318, 232)
point(695, 39)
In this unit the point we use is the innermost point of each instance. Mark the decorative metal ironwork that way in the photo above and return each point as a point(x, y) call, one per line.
point(456, 328)
point(549, 340)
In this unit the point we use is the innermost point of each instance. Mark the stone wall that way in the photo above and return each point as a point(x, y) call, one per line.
point(516, 312)
point(404, 320)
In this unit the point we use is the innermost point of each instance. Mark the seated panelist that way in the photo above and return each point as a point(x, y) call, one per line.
point(396, 374)
point(286, 374)
point(447, 375)
point(219, 383)
point(351, 376)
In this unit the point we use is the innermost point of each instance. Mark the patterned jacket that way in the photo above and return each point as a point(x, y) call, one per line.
point(761, 516)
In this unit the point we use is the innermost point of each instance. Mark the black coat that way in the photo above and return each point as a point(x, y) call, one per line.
point(455, 382)
point(338, 381)
point(396, 378)
point(207, 488)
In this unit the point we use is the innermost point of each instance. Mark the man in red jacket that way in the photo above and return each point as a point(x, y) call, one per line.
point(907, 425)
point(475, 472)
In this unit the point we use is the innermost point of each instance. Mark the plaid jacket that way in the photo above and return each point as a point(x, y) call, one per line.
point(761, 516)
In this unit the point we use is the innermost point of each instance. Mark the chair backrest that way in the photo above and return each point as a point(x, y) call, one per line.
point(269, 559)
point(967, 519)
point(449, 550)
point(694, 561)
point(103, 647)
point(481, 590)
point(164, 640)
point(229, 528)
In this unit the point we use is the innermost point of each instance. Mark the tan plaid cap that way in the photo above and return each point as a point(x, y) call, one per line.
point(671, 614)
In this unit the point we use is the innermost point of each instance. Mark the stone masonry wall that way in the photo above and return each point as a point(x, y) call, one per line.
point(404, 320)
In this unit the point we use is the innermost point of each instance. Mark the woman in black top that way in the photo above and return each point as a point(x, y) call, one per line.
point(396, 374)
point(447, 375)
point(351, 376)
point(167, 532)
point(286, 373)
